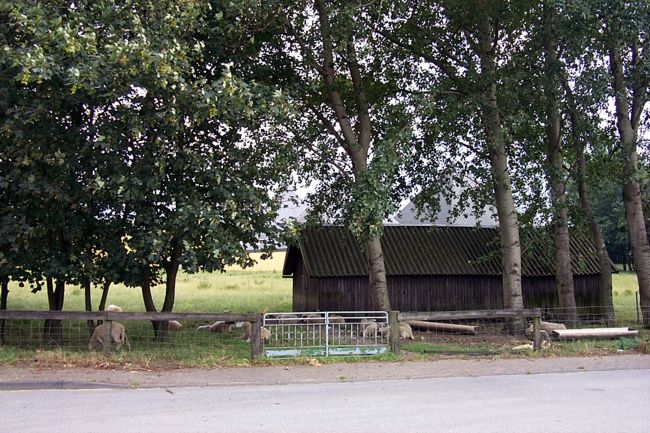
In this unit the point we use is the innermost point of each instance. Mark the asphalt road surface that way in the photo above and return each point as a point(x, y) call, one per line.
point(590, 401)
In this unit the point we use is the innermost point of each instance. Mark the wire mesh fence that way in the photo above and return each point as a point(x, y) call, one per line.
point(242, 337)
point(165, 336)
point(480, 333)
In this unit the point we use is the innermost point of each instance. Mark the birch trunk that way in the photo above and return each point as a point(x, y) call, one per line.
point(605, 264)
point(355, 139)
point(627, 124)
point(562, 245)
point(504, 200)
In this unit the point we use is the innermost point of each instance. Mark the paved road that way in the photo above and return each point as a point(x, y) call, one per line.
point(590, 401)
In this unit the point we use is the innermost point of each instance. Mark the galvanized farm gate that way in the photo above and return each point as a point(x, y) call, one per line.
point(326, 333)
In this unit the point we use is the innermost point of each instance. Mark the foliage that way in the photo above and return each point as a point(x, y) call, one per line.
point(130, 143)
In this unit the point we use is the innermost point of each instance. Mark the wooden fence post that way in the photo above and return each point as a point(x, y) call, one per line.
point(393, 320)
point(106, 346)
point(537, 338)
point(256, 338)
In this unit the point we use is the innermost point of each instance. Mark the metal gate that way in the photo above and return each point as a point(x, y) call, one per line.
point(326, 333)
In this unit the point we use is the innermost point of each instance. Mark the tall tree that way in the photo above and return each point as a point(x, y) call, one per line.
point(625, 38)
point(556, 171)
point(351, 122)
point(484, 35)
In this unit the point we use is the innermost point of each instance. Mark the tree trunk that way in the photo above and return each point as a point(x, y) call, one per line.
point(563, 271)
point(506, 210)
point(89, 306)
point(53, 330)
point(4, 294)
point(150, 306)
point(605, 264)
point(102, 302)
point(171, 271)
point(631, 190)
point(377, 274)
point(356, 140)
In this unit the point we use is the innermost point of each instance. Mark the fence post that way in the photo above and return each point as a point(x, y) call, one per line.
point(256, 338)
point(106, 347)
point(393, 320)
point(537, 322)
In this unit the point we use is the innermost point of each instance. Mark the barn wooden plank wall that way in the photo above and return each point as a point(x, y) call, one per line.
point(436, 293)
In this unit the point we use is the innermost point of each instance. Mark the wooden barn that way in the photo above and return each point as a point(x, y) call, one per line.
point(429, 269)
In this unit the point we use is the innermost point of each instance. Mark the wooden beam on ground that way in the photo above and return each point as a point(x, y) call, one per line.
point(595, 333)
point(442, 327)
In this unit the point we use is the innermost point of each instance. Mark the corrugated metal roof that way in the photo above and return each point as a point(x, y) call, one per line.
point(332, 251)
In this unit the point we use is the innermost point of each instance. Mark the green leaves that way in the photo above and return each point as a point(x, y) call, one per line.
point(135, 133)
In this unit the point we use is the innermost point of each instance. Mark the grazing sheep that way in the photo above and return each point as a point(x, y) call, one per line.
point(113, 308)
point(290, 319)
point(118, 336)
point(335, 319)
point(218, 326)
point(265, 335)
point(312, 318)
point(405, 331)
point(246, 326)
point(174, 325)
point(370, 330)
point(545, 329)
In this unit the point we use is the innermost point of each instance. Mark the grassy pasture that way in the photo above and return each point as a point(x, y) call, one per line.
point(256, 289)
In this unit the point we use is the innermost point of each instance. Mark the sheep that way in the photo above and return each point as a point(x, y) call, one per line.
point(405, 331)
point(118, 336)
point(174, 325)
point(370, 329)
point(113, 308)
point(312, 318)
point(246, 326)
point(218, 326)
point(290, 319)
point(335, 319)
point(265, 334)
point(546, 329)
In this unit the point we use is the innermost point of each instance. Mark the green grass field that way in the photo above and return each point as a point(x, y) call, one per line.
point(256, 289)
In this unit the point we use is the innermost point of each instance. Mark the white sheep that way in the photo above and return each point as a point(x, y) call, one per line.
point(246, 326)
point(265, 334)
point(335, 319)
point(118, 336)
point(113, 308)
point(370, 330)
point(175, 325)
point(312, 318)
point(218, 326)
point(405, 331)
